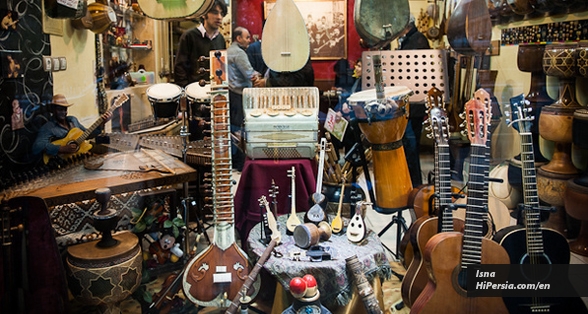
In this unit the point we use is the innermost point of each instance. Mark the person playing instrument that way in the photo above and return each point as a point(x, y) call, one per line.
point(241, 75)
point(413, 39)
point(198, 42)
point(58, 127)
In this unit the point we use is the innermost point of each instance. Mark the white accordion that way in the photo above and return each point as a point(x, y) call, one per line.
point(281, 123)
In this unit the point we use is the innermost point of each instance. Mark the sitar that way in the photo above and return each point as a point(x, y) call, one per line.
point(449, 255)
point(427, 226)
point(216, 275)
point(531, 243)
point(78, 137)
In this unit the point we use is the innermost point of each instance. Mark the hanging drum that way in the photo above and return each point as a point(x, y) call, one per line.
point(102, 17)
point(60, 9)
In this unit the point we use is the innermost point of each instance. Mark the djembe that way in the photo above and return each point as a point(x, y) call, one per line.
point(104, 272)
point(555, 124)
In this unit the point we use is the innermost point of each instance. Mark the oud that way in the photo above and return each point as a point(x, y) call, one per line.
point(448, 255)
point(427, 226)
point(531, 243)
point(78, 137)
point(216, 275)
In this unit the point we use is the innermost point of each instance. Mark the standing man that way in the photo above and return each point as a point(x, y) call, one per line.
point(241, 75)
point(198, 42)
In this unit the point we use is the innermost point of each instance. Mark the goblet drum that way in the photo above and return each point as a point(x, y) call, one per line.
point(383, 124)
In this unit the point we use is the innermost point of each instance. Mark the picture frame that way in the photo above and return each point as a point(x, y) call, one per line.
point(326, 23)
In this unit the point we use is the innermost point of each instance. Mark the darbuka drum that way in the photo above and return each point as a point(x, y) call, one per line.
point(164, 99)
point(383, 125)
point(197, 96)
point(105, 276)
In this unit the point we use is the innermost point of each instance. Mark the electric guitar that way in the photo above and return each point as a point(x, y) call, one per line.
point(316, 212)
point(449, 255)
point(78, 137)
point(533, 244)
point(427, 226)
point(216, 275)
point(293, 220)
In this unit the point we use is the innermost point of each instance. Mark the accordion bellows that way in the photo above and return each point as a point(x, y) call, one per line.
point(281, 123)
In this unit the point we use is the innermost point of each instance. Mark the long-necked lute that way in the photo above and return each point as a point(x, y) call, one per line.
point(531, 243)
point(316, 212)
point(216, 275)
point(449, 255)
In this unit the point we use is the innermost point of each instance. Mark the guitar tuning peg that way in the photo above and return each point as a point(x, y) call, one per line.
point(462, 115)
point(507, 120)
point(507, 113)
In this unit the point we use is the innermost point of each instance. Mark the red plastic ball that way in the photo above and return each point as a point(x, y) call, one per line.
point(297, 287)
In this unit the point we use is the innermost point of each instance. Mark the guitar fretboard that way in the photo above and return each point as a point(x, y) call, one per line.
point(530, 197)
point(443, 185)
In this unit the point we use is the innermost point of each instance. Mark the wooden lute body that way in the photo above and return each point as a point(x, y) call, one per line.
point(378, 22)
point(469, 29)
point(448, 254)
point(223, 267)
point(427, 226)
point(531, 243)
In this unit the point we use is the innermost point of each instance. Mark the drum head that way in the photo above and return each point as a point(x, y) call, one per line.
point(197, 93)
point(164, 98)
point(391, 92)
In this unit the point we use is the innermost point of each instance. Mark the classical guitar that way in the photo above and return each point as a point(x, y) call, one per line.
point(78, 137)
point(171, 9)
point(531, 243)
point(449, 255)
point(316, 212)
point(293, 219)
point(217, 274)
point(285, 46)
point(337, 222)
point(427, 226)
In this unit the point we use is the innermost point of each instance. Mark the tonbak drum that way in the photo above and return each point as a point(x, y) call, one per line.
point(308, 234)
point(164, 99)
point(105, 276)
point(197, 97)
point(575, 200)
point(383, 128)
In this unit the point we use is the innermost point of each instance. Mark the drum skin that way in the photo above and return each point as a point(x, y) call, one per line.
point(164, 99)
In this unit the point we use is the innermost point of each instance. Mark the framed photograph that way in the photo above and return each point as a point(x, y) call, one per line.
point(326, 23)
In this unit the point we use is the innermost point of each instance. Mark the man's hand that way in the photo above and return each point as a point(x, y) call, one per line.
point(258, 81)
point(69, 148)
point(106, 117)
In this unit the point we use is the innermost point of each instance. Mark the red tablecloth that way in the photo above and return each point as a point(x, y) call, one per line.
point(256, 180)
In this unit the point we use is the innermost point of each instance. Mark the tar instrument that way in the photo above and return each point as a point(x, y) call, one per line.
point(451, 253)
point(316, 212)
point(167, 9)
point(219, 272)
point(427, 226)
point(379, 27)
point(469, 28)
point(285, 46)
point(293, 219)
point(281, 122)
point(533, 244)
point(78, 137)
point(382, 116)
point(164, 99)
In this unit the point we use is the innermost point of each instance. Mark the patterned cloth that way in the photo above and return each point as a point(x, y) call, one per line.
point(332, 277)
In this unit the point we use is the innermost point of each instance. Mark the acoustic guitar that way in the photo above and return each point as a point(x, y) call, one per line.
point(285, 46)
point(217, 274)
point(78, 137)
point(427, 226)
point(171, 9)
point(531, 243)
point(449, 255)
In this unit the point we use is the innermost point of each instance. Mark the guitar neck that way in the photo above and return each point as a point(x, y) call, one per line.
point(321, 167)
point(443, 186)
point(476, 212)
point(531, 198)
point(293, 188)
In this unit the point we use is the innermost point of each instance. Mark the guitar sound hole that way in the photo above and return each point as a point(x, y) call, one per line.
point(462, 278)
point(535, 275)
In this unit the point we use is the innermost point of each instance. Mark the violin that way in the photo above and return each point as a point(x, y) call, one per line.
point(166, 298)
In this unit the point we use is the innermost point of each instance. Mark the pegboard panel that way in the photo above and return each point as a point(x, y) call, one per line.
point(419, 70)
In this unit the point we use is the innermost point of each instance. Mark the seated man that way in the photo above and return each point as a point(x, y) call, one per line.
point(58, 127)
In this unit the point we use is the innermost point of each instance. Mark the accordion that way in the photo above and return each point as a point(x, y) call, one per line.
point(281, 123)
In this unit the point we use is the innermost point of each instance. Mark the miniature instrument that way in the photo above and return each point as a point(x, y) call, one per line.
point(316, 213)
point(293, 220)
point(356, 229)
point(533, 244)
point(308, 234)
point(281, 123)
point(220, 271)
point(449, 254)
point(337, 222)
point(78, 137)
point(364, 288)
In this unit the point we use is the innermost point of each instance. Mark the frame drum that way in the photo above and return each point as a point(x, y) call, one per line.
point(383, 125)
point(197, 96)
point(164, 99)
